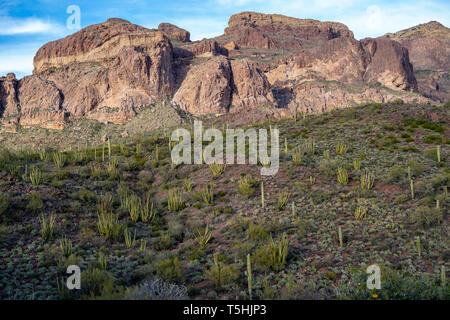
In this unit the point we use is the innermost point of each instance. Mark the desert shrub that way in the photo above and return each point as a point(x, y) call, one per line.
point(60, 174)
point(257, 232)
point(59, 159)
point(302, 226)
point(246, 186)
point(433, 139)
point(329, 167)
point(105, 203)
point(85, 194)
point(4, 203)
point(426, 217)
point(283, 198)
point(342, 175)
point(440, 180)
point(319, 196)
point(146, 177)
point(398, 101)
point(94, 282)
point(388, 141)
point(156, 289)
point(35, 203)
point(207, 194)
point(430, 153)
point(171, 269)
point(402, 198)
point(396, 174)
point(164, 242)
point(47, 226)
point(216, 169)
point(174, 200)
point(176, 227)
point(273, 255)
point(221, 274)
point(341, 148)
point(396, 285)
point(417, 168)
point(36, 176)
point(108, 225)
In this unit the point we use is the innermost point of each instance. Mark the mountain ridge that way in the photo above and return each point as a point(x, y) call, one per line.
point(111, 71)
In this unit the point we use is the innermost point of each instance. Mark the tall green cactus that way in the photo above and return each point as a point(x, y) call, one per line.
point(438, 154)
point(341, 241)
point(419, 247)
point(249, 276)
point(285, 146)
point(262, 194)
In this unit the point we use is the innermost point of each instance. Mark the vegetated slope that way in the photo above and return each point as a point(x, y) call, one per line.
point(125, 214)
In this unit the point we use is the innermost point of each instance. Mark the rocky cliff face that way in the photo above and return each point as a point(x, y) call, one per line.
point(111, 71)
point(429, 51)
point(274, 31)
point(428, 45)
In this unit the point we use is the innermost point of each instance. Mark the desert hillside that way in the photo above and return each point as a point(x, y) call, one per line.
point(356, 186)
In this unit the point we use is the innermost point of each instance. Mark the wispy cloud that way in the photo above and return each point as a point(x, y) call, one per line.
point(20, 64)
point(18, 58)
point(16, 26)
point(376, 20)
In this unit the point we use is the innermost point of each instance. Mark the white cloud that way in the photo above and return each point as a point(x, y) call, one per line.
point(20, 64)
point(13, 26)
point(377, 21)
point(18, 58)
point(365, 18)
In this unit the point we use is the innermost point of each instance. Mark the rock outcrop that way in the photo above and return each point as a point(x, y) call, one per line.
point(429, 51)
point(202, 48)
point(347, 60)
point(108, 72)
point(275, 31)
point(206, 88)
point(174, 32)
point(9, 103)
point(251, 88)
point(428, 45)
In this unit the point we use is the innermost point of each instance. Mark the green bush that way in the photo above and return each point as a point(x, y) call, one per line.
point(257, 232)
point(433, 139)
point(273, 255)
point(35, 203)
point(171, 269)
point(396, 174)
point(221, 274)
point(4, 203)
point(94, 282)
point(426, 217)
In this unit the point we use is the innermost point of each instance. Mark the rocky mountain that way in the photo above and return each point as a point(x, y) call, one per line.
point(269, 64)
point(429, 51)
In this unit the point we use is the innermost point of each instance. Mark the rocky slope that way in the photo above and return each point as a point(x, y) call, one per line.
point(263, 63)
point(429, 50)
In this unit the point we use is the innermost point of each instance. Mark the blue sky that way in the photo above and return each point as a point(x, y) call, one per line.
point(27, 25)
